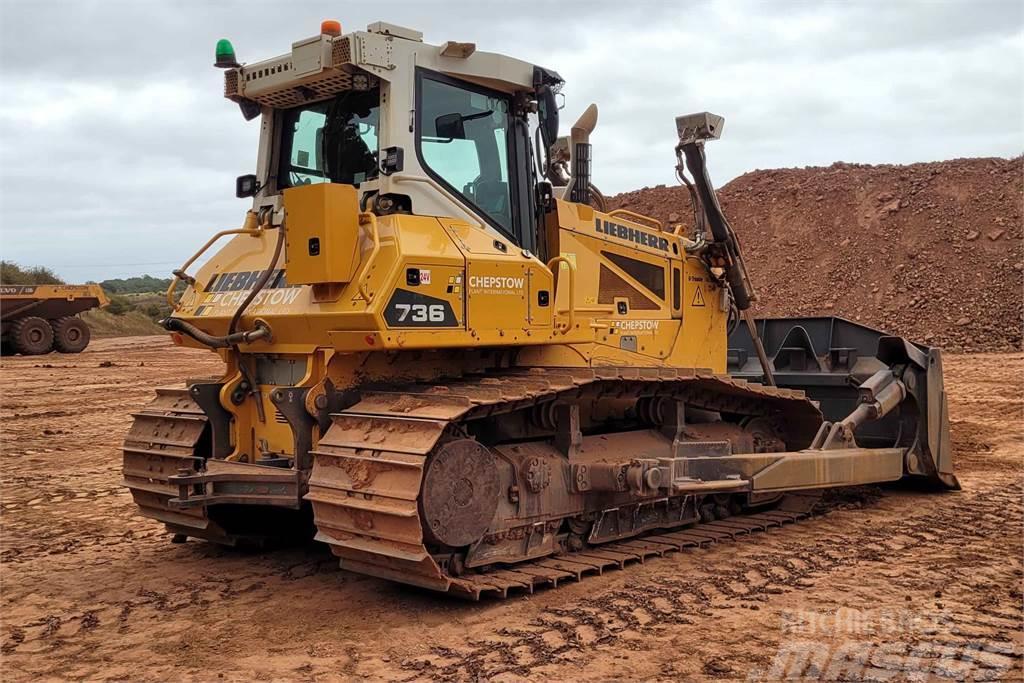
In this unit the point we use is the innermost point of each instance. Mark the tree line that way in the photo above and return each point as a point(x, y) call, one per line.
point(14, 274)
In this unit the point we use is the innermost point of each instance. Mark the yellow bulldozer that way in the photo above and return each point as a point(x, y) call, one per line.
point(449, 360)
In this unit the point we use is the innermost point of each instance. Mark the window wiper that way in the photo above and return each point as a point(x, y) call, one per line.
point(481, 115)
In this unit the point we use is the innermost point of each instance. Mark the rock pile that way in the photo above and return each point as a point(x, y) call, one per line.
point(931, 251)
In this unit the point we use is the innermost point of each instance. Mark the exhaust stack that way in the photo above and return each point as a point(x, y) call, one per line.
point(578, 189)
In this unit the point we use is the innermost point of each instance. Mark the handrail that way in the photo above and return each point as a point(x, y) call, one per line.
point(572, 291)
point(370, 218)
point(181, 275)
point(638, 217)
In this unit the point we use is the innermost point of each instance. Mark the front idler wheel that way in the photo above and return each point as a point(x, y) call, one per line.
point(460, 493)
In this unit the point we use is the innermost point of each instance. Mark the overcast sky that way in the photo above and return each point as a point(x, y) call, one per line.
point(119, 153)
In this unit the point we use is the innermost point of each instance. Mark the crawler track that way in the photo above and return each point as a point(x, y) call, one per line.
point(369, 470)
point(368, 473)
point(551, 571)
point(164, 438)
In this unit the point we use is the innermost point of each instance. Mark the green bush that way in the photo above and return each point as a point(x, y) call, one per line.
point(136, 285)
point(13, 274)
point(156, 311)
point(119, 305)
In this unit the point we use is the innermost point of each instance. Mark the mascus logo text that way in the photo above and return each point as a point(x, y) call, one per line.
point(624, 232)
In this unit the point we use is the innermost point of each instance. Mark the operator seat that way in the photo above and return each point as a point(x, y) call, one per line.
point(492, 197)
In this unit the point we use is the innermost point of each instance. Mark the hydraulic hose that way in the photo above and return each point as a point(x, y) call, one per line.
point(233, 338)
point(260, 284)
point(699, 226)
point(736, 272)
point(698, 247)
point(214, 342)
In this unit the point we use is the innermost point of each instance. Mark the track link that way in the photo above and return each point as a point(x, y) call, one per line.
point(369, 468)
point(550, 571)
point(164, 440)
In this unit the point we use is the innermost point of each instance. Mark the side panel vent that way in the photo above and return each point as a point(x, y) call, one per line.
point(230, 83)
point(650, 275)
point(611, 285)
point(341, 52)
point(312, 90)
point(677, 296)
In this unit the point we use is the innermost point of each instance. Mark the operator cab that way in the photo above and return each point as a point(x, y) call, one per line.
point(432, 130)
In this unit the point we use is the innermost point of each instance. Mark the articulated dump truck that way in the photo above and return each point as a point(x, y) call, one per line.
point(38, 319)
point(449, 360)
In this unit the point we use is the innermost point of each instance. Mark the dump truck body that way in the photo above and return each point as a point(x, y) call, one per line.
point(35, 319)
point(469, 374)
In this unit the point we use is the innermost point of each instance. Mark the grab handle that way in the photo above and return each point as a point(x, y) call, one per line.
point(371, 219)
point(564, 328)
point(181, 274)
point(639, 218)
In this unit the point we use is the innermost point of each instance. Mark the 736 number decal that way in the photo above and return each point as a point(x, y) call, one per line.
point(420, 313)
point(412, 309)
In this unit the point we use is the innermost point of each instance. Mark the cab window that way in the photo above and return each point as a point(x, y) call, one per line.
point(463, 140)
point(331, 141)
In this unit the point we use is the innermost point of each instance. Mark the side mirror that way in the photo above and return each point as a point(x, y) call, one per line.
point(547, 113)
point(450, 126)
point(246, 186)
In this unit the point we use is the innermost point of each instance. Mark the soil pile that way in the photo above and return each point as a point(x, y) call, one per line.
point(930, 251)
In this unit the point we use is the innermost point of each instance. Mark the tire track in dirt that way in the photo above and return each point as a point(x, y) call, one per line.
point(791, 559)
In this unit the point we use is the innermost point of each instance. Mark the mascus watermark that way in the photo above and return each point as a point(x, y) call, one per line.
point(883, 645)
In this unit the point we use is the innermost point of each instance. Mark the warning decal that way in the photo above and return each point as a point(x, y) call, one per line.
point(698, 297)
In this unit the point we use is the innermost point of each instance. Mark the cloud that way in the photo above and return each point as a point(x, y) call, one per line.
point(118, 154)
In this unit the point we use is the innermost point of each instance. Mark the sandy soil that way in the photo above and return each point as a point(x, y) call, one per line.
point(950, 273)
point(890, 585)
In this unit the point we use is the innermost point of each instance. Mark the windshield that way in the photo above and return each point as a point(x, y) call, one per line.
point(333, 141)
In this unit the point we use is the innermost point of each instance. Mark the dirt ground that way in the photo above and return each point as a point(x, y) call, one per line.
point(889, 585)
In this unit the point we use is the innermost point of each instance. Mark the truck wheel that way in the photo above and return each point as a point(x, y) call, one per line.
point(70, 334)
point(32, 336)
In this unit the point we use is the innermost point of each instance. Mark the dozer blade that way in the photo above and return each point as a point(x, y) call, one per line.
point(831, 358)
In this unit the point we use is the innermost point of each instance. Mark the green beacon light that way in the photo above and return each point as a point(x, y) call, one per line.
point(225, 54)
